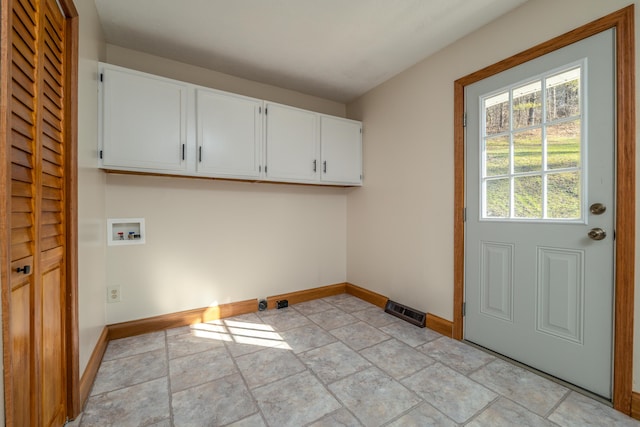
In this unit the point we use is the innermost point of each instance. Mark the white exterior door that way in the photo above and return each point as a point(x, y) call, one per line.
point(540, 193)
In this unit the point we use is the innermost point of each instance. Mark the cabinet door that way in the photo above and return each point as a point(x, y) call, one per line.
point(229, 132)
point(341, 150)
point(144, 121)
point(291, 144)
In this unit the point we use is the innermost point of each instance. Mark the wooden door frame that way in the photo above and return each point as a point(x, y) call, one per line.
point(74, 404)
point(71, 200)
point(623, 22)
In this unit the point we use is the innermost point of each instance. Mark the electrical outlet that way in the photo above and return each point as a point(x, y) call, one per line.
point(113, 294)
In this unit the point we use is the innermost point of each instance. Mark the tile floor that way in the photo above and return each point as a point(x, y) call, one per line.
point(338, 361)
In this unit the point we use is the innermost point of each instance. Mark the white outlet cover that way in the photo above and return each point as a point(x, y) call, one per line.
point(113, 294)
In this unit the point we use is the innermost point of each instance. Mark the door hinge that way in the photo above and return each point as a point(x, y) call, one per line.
point(266, 110)
point(259, 110)
point(100, 153)
point(464, 215)
point(464, 309)
point(464, 120)
point(265, 168)
point(360, 130)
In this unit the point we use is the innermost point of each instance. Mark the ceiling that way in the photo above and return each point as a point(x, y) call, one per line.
point(334, 49)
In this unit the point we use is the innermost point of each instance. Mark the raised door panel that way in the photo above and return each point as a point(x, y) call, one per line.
point(229, 135)
point(291, 144)
point(144, 121)
point(341, 149)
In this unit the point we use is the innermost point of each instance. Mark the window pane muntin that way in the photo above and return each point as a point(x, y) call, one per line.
point(521, 211)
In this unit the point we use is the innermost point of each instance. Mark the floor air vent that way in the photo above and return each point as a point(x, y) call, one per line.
point(405, 313)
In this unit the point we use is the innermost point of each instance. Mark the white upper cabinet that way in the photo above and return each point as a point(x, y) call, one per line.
point(144, 121)
point(341, 150)
point(156, 125)
point(291, 144)
point(229, 135)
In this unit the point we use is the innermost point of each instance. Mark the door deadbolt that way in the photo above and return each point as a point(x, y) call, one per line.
point(597, 208)
point(597, 234)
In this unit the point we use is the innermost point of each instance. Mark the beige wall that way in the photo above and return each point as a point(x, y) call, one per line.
point(214, 242)
point(136, 60)
point(400, 226)
point(91, 187)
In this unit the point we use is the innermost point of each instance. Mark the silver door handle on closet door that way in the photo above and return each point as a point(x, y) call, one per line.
point(324, 166)
point(315, 163)
point(200, 154)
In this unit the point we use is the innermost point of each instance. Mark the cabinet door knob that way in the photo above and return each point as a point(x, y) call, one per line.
point(26, 269)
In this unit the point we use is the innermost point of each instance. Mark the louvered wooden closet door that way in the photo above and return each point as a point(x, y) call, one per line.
point(34, 126)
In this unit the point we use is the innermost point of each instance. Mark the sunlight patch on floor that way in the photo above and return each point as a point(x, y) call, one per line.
point(240, 332)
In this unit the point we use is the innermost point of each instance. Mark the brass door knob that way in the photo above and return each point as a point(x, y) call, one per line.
point(597, 234)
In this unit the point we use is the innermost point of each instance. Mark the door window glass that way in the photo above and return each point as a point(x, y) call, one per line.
point(532, 149)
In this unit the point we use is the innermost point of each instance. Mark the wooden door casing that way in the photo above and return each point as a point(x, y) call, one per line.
point(37, 191)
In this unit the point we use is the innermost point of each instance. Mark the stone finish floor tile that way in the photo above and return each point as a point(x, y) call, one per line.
point(252, 421)
point(119, 373)
point(191, 343)
point(505, 413)
point(138, 405)
point(359, 335)
point(307, 337)
point(332, 318)
point(283, 319)
point(336, 361)
point(295, 401)
point(130, 346)
point(452, 393)
point(216, 403)
point(532, 391)
point(312, 307)
point(456, 354)
point(423, 415)
point(410, 334)
point(333, 362)
point(351, 304)
point(267, 366)
point(375, 316)
point(396, 358)
point(340, 418)
point(200, 368)
point(373, 396)
point(578, 410)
